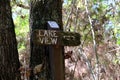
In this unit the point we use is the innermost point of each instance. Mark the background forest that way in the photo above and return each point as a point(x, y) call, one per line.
point(98, 22)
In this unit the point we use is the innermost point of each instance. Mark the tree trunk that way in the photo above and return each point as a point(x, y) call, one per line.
point(42, 11)
point(9, 61)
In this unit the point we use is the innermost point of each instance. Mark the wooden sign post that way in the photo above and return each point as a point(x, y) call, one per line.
point(55, 40)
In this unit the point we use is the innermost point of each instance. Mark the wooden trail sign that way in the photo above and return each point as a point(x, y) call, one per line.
point(54, 37)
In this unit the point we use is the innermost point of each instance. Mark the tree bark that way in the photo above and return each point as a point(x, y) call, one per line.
point(9, 61)
point(42, 11)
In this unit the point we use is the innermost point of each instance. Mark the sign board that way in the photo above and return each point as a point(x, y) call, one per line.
point(54, 37)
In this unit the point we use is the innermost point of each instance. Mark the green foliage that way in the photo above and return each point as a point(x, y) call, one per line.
point(117, 33)
point(21, 21)
point(21, 29)
point(105, 21)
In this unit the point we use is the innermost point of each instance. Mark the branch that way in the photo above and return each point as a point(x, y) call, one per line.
point(19, 4)
point(114, 50)
point(94, 41)
point(69, 16)
point(22, 5)
point(83, 55)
